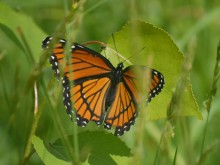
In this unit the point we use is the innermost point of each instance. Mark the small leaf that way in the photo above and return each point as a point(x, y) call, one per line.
point(143, 44)
point(46, 156)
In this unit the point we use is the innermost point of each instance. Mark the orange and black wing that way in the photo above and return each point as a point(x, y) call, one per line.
point(123, 110)
point(92, 85)
point(85, 80)
point(138, 78)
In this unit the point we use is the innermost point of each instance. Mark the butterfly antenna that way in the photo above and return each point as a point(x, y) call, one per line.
point(127, 59)
point(115, 46)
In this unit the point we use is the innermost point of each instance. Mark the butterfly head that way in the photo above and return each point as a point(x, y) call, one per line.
point(120, 66)
point(118, 72)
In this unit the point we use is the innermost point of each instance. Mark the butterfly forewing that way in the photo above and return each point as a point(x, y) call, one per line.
point(84, 63)
point(138, 78)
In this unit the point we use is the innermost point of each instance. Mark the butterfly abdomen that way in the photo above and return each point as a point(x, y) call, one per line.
point(116, 77)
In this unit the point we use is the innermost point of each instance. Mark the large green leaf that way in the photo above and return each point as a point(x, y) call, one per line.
point(151, 46)
point(94, 146)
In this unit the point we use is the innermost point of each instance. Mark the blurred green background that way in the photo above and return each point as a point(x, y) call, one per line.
point(193, 25)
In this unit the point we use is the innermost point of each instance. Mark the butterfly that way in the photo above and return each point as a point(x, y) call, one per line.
point(98, 91)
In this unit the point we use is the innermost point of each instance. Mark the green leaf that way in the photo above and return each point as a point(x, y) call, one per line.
point(101, 159)
point(144, 44)
point(11, 20)
point(96, 146)
point(45, 155)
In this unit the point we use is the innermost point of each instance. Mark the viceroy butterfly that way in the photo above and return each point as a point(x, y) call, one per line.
point(97, 90)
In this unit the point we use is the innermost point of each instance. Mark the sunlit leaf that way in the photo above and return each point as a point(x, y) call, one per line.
point(144, 44)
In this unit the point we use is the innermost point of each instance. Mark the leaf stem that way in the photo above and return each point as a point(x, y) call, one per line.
point(208, 103)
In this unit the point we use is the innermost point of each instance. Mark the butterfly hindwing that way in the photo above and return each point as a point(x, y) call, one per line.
point(122, 112)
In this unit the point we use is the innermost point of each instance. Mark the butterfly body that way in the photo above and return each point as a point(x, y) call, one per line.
point(97, 91)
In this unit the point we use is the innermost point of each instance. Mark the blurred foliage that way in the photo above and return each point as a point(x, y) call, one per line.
point(188, 23)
